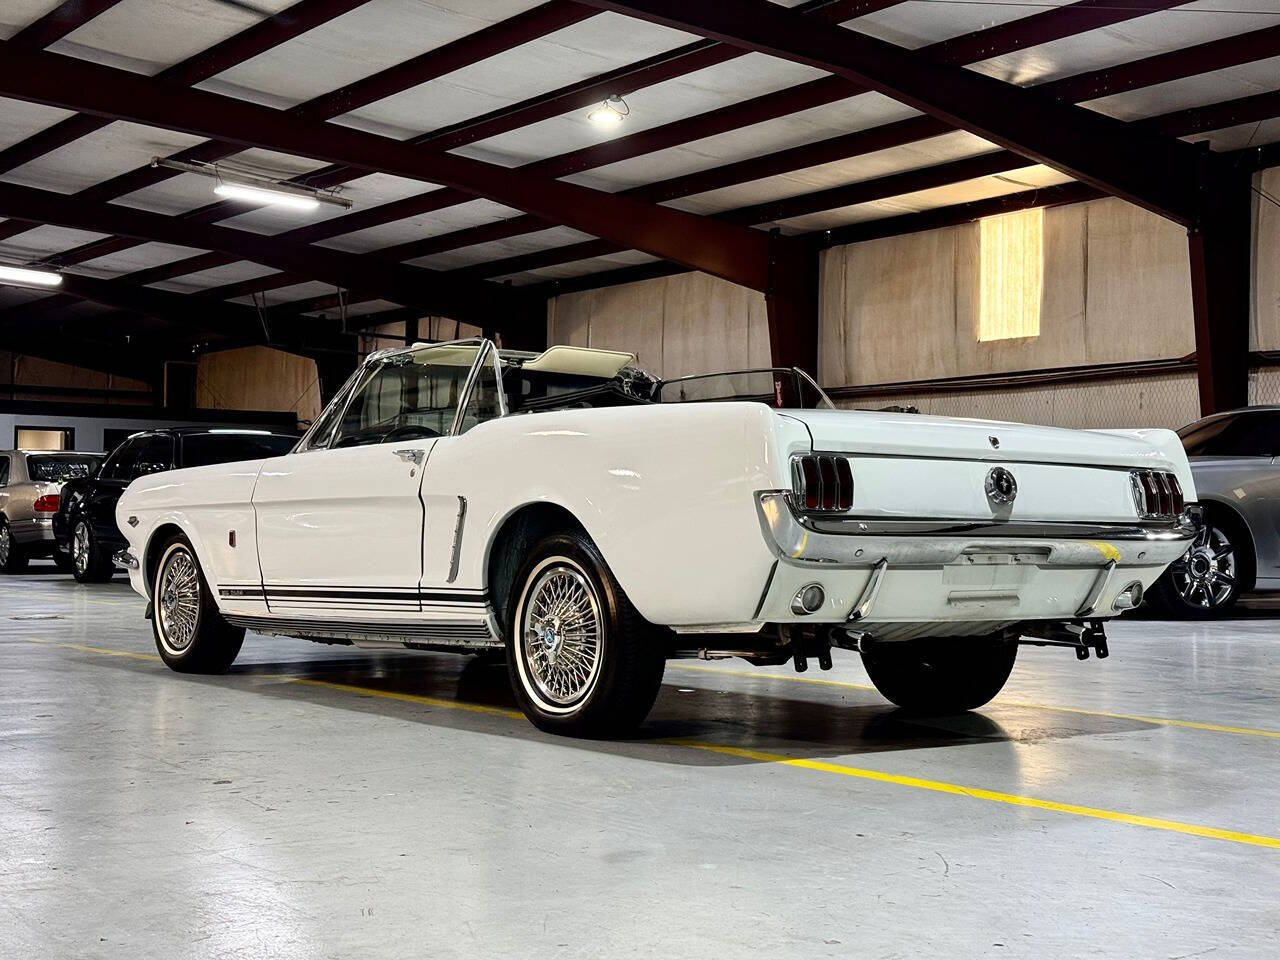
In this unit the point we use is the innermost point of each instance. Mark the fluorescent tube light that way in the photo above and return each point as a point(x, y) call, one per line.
point(24, 277)
point(278, 198)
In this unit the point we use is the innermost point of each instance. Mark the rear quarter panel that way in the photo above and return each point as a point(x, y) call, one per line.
point(665, 492)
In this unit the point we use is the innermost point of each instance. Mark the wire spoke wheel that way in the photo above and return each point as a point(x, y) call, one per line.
point(80, 548)
point(561, 630)
point(1206, 575)
point(6, 544)
point(178, 599)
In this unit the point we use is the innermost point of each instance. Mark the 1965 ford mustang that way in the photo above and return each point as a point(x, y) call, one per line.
point(595, 522)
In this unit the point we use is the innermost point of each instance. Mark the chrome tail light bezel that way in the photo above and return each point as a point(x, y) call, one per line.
point(821, 483)
point(1157, 494)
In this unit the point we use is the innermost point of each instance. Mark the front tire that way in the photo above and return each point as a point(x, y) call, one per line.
point(940, 675)
point(190, 634)
point(582, 661)
point(13, 559)
point(88, 562)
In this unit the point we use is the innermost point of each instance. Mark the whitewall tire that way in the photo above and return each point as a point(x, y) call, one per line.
point(190, 634)
point(582, 661)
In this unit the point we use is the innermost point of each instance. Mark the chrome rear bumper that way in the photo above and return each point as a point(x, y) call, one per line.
point(861, 542)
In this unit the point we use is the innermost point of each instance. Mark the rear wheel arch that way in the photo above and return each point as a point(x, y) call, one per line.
point(514, 538)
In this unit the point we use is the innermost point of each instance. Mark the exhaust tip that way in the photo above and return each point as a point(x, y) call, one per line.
point(808, 599)
point(1130, 597)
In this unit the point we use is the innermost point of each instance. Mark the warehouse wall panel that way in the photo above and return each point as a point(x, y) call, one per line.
point(689, 323)
point(258, 378)
point(906, 308)
point(1116, 289)
point(1266, 264)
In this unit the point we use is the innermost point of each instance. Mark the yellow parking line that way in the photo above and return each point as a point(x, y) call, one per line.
point(1161, 721)
point(977, 793)
point(85, 648)
point(820, 766)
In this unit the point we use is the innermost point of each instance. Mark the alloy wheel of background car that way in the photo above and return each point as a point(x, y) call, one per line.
point(561, 635)
point(1205, 576)
point(80, 548)
point(191, 636)
point(88, 566)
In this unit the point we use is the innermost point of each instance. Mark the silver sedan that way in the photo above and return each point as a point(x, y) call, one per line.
point(29, 485)
point(1235, 460)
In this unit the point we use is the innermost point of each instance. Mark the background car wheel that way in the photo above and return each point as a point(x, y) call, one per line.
point(191, 635)
point(582, 661)
point(63, 560)
point(940, 675)
point(13, 559)
point(88, 565)
point(1207, 580)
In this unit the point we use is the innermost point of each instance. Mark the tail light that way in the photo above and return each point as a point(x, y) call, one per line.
point(821, 482)
point(47, 504)
point(1156, 494)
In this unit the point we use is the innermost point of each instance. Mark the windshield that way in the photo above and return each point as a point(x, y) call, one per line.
point(204, 449)
point(62, 469)
point(780, 387)
point(409, 395)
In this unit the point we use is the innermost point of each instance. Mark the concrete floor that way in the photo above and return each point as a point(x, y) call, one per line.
point(322, 802)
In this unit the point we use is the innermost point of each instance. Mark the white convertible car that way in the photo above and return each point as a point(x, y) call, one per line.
point(594, 522)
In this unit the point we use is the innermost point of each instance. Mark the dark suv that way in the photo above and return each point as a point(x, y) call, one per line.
point(85, 524)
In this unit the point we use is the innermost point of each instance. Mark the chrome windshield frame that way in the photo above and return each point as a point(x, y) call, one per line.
point(347, 393)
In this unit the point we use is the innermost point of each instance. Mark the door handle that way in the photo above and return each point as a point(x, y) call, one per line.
point(411, 456)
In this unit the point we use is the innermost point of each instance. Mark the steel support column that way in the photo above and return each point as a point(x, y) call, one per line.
point(1220, 247)
point(792, 304)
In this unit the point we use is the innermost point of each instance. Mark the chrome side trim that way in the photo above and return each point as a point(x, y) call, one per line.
point(1095, 592)
point(726, 628)
point(869, 593)
point(455, 552)
point(462, 633)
